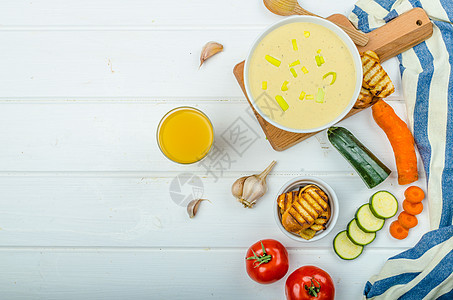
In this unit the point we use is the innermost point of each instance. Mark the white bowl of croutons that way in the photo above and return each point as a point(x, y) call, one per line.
point(306, 209)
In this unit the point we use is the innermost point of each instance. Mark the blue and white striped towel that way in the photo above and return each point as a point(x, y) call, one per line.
point(425, 271)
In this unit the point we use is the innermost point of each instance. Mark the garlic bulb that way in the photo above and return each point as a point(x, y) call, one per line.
point(249, 189)
point(210, 49)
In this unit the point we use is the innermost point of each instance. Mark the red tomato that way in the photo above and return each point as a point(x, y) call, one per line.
point(309, 283)
point(267, 261)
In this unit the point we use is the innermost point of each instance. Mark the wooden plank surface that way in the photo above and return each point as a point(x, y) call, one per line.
point(100, 211)
point(86, 209)
point(138, 273)
point(78, 64)
point(120, 137)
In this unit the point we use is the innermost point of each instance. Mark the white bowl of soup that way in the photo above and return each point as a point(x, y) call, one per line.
point(303, 74)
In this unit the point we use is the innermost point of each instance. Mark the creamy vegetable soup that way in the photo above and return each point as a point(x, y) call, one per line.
point(302, 75)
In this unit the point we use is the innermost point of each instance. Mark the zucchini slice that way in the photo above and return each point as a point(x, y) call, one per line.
point(367, 221)
point(368, 166)
point(344, 248)
point(383, 205)
point(358, 236)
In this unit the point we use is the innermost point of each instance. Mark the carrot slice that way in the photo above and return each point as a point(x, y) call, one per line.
point(398, 231)
point(412, 208)
point(414, 194)
point(406, 220)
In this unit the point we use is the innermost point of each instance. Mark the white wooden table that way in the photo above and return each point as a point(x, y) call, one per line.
point(86, 211)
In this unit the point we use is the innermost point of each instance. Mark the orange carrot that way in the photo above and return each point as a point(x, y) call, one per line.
point(414, 194)
point(401, 140)
point(398, 231)
point(412, 208)
point(406, 220)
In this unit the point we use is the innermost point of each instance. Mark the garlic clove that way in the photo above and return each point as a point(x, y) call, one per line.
point(192, 207)
point(209, 50)
point(238, 187)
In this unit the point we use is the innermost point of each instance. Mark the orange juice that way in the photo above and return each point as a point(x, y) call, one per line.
point(185, 135)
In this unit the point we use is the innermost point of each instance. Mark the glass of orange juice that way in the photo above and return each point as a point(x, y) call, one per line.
point(185, 135)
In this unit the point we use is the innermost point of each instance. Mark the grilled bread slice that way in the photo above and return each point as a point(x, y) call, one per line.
point(317, 227)
point(323, 218)
point(305, 209)
point(366, 99)
point(375, 78)
point(286, 200)
point(319, 224)
point(315, 195)
point(321, 221)
point(373, 55)
point(307, 234)
point(296, 218)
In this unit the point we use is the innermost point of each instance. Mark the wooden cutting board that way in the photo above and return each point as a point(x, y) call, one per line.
point(400, 34)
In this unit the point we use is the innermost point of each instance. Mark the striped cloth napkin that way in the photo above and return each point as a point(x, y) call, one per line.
point(425, 271)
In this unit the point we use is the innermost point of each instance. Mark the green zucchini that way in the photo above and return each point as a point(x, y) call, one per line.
point(367, 221)
point(358, 236)
point(383, 205)
point(368, 166)
point(344, 248)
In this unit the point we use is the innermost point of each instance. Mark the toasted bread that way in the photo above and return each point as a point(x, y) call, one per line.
point(307, 234)
point(366, 99)
point(305, 209)
point(313, 192)
point(375, 79)
point(321, 221)
point(324, 217)
point(314, 205)
point(294, 221)
point(373, 55)
point(317, 227)
point(286, 200)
